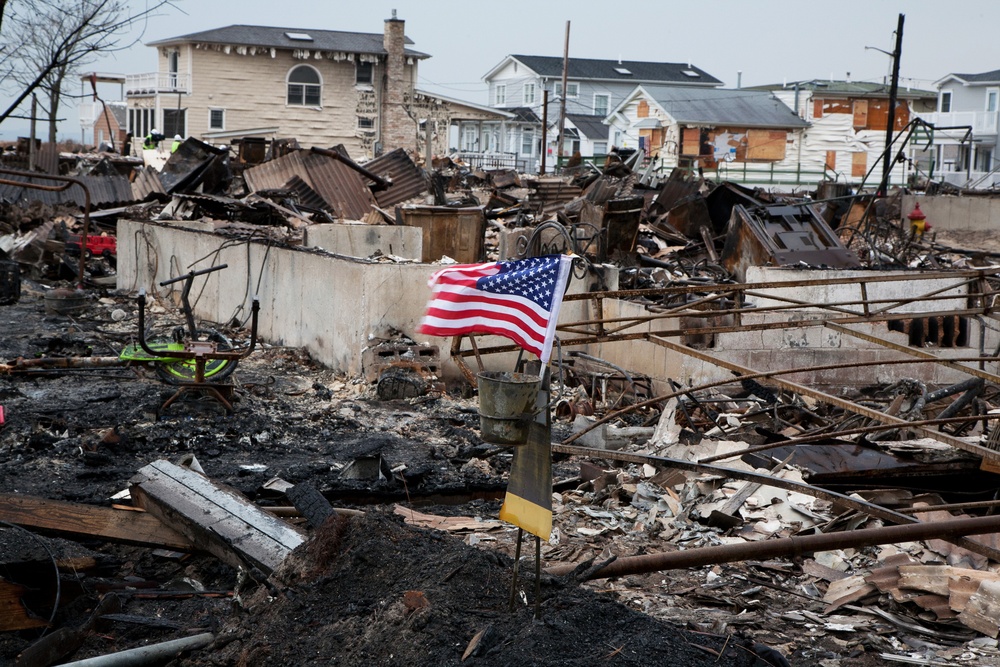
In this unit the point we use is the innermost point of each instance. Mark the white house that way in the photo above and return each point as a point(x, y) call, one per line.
point(519, 83)
point(966, 154)
point(742, 135)
point(847, 126)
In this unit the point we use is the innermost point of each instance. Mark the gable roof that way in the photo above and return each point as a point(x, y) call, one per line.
point(592, 127)
point(718, 107)
point(980, 79)
point(851, 88)
point(613, 70)
point(277, 38)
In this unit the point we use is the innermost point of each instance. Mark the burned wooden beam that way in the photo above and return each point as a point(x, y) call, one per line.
point(214, 518)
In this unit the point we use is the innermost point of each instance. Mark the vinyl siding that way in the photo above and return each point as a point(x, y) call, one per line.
point(252, 91)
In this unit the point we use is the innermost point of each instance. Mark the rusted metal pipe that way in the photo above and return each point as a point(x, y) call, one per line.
point(790, 546)
point(66, 183)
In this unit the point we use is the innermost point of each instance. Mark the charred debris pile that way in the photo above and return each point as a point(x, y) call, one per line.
point(660, 231)
point(226, 550)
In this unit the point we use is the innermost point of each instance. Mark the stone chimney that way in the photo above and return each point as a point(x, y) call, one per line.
point(397, 129)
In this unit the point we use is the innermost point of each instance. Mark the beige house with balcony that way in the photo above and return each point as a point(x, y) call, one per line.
point(321, 87)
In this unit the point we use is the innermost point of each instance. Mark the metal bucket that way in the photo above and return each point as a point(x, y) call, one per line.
point(64, 301)
point(506, 406)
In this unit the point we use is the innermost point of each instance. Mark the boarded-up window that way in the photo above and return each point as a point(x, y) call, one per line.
point(860, 113)
point(690, 141)
point(878, 115)
point(836, 106)
point(859, 165)
point(831, 160)
point(817, 108)
point(766, 145)
point(643, 109)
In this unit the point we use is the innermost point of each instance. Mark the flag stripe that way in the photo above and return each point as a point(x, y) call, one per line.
point(526, 309)
point(516, 299)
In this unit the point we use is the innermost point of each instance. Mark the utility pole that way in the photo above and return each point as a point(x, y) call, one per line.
point(887, 157)
point(545, 129)
point(31, 139)
point(562, 101)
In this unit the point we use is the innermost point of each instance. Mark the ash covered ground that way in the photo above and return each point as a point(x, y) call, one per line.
point(365, 590)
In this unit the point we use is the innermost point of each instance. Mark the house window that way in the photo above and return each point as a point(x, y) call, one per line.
point(365, 123)
point(304, 86)
point(529, 94)
point(173, 65)
point(469, 137)
point(174, 122)
point(945, 101)
point(216, 119)
point(600, 148)
point(602, 104)
point(500, 95)
point(527, 141)
point(572, 89)
point(991, 99)
point(363, 73)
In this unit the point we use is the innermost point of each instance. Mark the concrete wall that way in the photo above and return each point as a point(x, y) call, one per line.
point(365, 240)
point(334, 306)
point(956, 213)
point(331, 306)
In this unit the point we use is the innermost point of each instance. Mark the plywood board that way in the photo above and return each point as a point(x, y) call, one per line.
point(766, 145)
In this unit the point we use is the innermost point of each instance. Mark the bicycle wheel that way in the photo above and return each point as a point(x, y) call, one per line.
point(183, 371)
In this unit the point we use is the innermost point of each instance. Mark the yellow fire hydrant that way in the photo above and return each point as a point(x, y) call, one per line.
point(918, 222)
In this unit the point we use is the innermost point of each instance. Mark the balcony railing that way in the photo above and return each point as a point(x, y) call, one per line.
point(983, 123)
point(157, 82)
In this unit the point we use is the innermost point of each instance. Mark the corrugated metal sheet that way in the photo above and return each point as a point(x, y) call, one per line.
point(105, 191)
point(344, 190)
point(47, 159)
point(306, 195)
point(146, 183)
point(408, 180)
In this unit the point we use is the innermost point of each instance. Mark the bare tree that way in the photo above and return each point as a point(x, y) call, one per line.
point(56, 37)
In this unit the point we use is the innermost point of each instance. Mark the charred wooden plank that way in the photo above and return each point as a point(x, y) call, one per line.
point(215, 518)
point(78, 520)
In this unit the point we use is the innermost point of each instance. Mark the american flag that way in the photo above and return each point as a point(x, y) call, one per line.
point(518, 300)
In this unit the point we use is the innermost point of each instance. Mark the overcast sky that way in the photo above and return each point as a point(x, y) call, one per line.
point(770, 41)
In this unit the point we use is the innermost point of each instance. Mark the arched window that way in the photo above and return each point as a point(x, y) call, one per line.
point(304, 86)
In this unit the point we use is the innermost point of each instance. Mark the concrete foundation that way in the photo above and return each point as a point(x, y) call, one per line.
point(335, 307)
